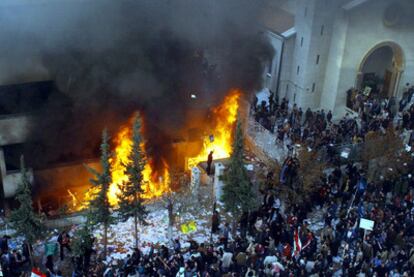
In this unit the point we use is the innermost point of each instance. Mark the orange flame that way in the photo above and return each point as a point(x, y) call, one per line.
point(221, 140)
point(154, 184)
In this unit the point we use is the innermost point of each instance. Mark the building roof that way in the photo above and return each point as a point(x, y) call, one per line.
point(277, 20)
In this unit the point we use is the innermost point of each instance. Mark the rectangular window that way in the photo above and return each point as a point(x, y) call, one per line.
point(269, 68)
point(301, 42)
point(297, 70)
point(317, 59)
point(322, 29)
point(313, 87)
point(306, 11)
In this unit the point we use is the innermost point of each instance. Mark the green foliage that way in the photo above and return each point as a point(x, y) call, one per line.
point(238, 195)
point(99, 206)
point(83, 241)
point(23, 219)
point(130, 201)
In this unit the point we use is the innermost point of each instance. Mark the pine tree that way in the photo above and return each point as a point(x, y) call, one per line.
point(99, 206)
point(82, 242)
point(130, 200)
point(24, 219)
point(238, 196)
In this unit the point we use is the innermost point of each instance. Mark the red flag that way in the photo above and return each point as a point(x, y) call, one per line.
point(297, 244)
point(37, 273)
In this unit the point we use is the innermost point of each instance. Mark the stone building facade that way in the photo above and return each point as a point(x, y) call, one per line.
point(334, 44)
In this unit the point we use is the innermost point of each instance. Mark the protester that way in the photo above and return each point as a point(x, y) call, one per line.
point(63, 240)
point(317, 130)
point(317, 236)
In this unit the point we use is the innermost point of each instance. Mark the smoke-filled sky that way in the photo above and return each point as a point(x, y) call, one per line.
point(110, 58)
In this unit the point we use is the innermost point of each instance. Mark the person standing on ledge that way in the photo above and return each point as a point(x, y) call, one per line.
point(209, 162)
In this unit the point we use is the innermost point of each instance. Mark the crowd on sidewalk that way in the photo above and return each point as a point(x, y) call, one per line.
point(278, 239)
point(282, 238)
point(318, 128)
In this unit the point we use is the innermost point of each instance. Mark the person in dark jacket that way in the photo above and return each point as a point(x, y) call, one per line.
point(63, 240)
point(215, 222)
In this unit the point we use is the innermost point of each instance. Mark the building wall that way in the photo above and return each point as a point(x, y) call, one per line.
point(56, 181)
point(271, 73)
point(11, 180)
point(14, 129)
point(356, 32)
point(285, 84)
point(335, 60)
point(313, 22)
point(304, 18)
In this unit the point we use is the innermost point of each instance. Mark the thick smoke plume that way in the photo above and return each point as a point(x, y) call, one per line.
point(110, 58)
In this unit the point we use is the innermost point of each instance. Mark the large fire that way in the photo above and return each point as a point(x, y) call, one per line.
point(220, 141)
point(155, 184)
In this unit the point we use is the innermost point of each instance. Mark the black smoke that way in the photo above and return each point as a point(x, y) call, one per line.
point(111, 58)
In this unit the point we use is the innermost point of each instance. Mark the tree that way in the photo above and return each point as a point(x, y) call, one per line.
point(380, 152)
point(24, 219)
point(383, 156)
point(82, 241)
point(130, 200)
point(310, 171)
point(238, 196)
point(99, 206)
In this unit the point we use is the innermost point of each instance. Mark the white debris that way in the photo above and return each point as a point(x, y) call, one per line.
point(121, 239)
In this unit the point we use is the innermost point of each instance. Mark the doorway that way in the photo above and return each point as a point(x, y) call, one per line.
point(380, 70)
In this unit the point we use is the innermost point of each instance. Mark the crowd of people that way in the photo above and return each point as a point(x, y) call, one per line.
point(22, 261)
point(278, 239)
point(317, 129)
point(281, 238)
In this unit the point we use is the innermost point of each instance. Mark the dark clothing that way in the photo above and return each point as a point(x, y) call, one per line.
point(215, 223)
point(209, 162)
point(64, 240)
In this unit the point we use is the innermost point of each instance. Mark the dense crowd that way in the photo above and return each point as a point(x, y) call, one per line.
point(21, 260)
point(317, 129)
point(280, 238)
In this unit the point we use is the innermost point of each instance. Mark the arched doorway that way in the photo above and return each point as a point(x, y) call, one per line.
point(380, 70)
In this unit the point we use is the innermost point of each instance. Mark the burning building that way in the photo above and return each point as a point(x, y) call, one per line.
point(183, 71)
point(210, 131)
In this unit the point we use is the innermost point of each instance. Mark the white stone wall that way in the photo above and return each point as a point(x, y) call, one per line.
point(271, 74)
point(303, 24)
point(313, 22)
point(285, 83)
point(335, 60)
point(357, 31)
point(347, 37)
